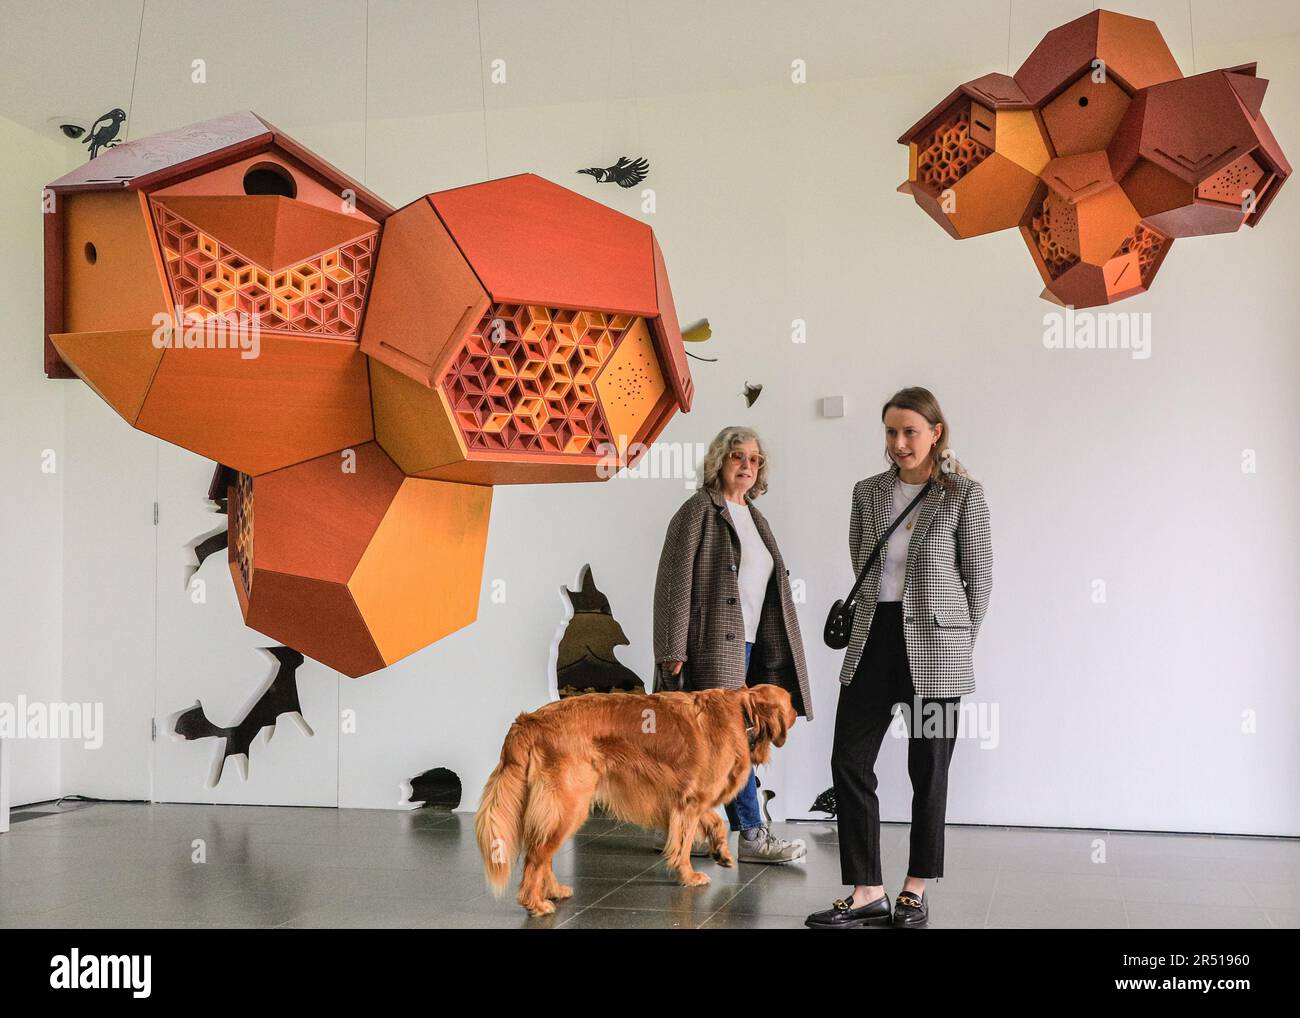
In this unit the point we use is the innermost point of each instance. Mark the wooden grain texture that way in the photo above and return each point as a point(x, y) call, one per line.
point(534, 242)
point(421, 575)
point(229, 180)
point(300, 398)
point(123, 288)
point(668, 333)
point(413, 422)
point(52, 235)
point(424, 298)
point(273, 232)
point(317, 518)
point(315, 617)
point(118, 366)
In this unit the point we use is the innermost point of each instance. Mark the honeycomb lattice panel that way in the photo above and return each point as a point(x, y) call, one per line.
point(1232, 182)
point(241, 509)
point(948, 153)
point(1055, 229)
point(525, 380)
point(1148, 243)
point(322, 296)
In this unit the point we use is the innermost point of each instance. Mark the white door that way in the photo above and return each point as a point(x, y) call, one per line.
point(207, 655)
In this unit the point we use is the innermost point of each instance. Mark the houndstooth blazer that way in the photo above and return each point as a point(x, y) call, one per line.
point(949, 578)
point(697, 613)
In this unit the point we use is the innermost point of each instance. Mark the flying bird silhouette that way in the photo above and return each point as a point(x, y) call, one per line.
point(625, 173)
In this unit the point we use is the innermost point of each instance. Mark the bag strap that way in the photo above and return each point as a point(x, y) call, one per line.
point(862, 574)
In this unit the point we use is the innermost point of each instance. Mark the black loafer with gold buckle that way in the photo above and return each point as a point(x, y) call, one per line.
point(843, 916)
point(911, 910)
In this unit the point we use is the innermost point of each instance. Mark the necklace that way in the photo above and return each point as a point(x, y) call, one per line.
point(914, 511)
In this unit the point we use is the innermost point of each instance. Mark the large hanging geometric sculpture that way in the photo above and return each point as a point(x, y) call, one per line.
point(1101, 153)
point(366, 373)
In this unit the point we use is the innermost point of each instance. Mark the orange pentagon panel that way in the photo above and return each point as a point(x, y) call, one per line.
point(520, 333)
point(1197, 157)
point(209, 284)
point(352, 563)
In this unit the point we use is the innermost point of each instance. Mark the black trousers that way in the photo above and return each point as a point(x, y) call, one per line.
point(881, 680)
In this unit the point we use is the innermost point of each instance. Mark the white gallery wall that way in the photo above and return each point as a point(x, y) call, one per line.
point(1171, 704)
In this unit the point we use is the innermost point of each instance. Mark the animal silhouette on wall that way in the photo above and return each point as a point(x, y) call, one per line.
point(438, 788)
point(208, 545)
point(104, 131)
point(825, 803)
point(280, 698)
point(366, 373)
point(586, 661)
point(699, 332)
point(625, 173)
point(1101, 153)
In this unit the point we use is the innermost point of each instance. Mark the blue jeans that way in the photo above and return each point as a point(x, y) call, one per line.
point(743, 811)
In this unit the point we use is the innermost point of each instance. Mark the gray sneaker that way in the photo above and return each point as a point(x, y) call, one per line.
point(699, 847)
point(761, 845)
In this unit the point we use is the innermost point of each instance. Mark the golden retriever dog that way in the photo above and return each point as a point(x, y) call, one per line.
point(664, 761)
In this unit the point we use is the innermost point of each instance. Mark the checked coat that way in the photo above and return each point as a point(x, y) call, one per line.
point(949, 578)
point(698, 618)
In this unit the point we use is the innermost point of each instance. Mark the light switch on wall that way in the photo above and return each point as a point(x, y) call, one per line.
point(832, 406)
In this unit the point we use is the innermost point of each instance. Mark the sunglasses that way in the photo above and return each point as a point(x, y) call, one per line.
point(755, 460)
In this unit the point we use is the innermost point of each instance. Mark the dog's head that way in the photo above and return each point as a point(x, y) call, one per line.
point(772, 713)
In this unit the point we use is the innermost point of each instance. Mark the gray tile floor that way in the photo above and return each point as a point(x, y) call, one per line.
point(132, 865)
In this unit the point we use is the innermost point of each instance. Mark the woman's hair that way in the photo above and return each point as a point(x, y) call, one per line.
point(716, 458)
point(944, 465)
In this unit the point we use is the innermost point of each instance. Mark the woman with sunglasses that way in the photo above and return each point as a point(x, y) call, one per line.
point(723, 614)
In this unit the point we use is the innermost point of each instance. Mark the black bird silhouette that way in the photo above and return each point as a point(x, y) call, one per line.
point(104, 131)
point(625, 173)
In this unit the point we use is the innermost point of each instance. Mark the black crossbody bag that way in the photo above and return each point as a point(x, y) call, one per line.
point(839, 623)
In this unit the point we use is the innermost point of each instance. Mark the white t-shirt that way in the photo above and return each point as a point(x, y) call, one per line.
point(755, 568)
point(893, 568)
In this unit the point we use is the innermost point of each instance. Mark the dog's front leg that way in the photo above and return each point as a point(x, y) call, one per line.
point(682, 823)
point(716, 831)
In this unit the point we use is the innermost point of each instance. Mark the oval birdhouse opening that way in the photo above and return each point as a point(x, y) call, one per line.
point(269, 178)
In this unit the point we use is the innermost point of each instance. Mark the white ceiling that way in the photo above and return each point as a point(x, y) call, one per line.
point(312, 62)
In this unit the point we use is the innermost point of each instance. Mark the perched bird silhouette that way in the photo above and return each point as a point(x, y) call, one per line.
point(104, 131)
point(625, 173)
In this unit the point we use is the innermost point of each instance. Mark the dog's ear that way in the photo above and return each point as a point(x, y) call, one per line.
point(773, 712)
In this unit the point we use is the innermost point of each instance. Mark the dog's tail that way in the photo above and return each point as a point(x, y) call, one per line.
point(499, 822)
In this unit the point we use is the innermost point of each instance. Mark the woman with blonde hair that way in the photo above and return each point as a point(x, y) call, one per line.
point(723, 614)
point(923, 595)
